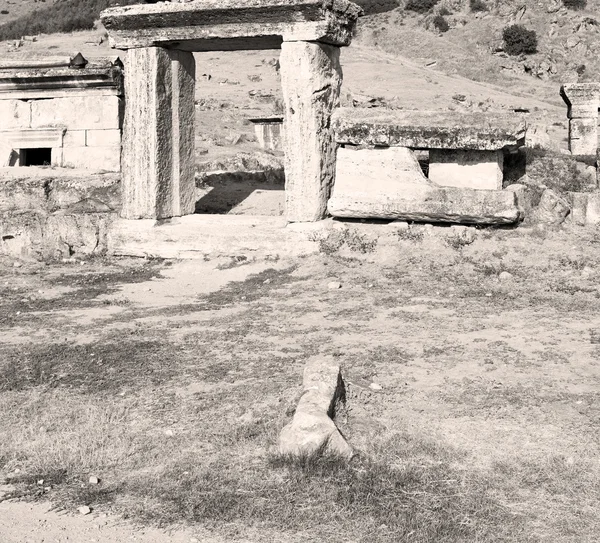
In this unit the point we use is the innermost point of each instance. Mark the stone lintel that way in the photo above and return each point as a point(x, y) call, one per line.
point(428, 129)
point(231, 24)
point(28, 82)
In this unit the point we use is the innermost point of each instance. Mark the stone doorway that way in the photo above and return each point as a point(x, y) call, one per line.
point(158, 132)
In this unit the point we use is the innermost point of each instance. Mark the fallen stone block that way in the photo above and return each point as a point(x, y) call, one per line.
point(389, 184)
point(552, 209)
point(312, 429)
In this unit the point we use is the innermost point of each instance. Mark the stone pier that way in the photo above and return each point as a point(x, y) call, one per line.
point(583, 101)
point(158, 157)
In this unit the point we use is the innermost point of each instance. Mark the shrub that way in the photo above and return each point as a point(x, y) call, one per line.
point(440, 23)
point(420, 6)
point(477, 5)
point(63, 16)
point(575, 4)
point(518, 40)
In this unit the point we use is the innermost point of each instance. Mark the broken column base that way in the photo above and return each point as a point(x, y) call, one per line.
point(312, 430)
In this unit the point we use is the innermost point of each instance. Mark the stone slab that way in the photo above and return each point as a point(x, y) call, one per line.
point(194, 236)
point(231, 24)
point(30, 138)
point(582, 99)
point(74, 138)
point(106, 158)
point(78, 113)
point(583, 136)
point(427, 129)
point(467, 169)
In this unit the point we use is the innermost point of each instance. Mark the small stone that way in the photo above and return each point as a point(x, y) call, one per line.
point(17, 264)
point(169, 433)
point(505, 276)
point(334, 285)
point(93, 480)
point(401, 225)
point(194, 540)
point(266, 281)
point(40, 482)
point(375, 386)
point(84, 510)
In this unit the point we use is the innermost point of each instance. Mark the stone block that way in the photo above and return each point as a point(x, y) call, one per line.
point(311, 77)
point(158, 134)
point(14, 114)
point(592, 216)
point(583, 136)
point(103, 138)
point(92, 158)
point(579, 204)
point(466, 169)
point(231, 24)
point(428, 129)
point(77, 112)
point(74, 138)
point(22, 193)
point(552, 209)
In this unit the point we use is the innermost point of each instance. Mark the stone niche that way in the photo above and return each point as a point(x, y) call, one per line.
point(59, 114)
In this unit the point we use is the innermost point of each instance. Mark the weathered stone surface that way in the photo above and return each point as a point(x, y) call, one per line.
point(312, 428)
point(379, 171)
point(231, 24)
point(592, 215)
point(552, 209)
point(14, 114)
point(53, 236)
point(389, 184)
point(93, 158)
point(311, 76)
point(158, 134)
point(583, 101)
point(78, 112)
point(579, 203)
point(466, 169)
point(427, 129)
point(524, 196)
point(102, 138)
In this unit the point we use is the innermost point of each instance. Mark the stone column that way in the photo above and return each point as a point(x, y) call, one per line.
point(583, 100)
point(158, 134)
point(311, 77)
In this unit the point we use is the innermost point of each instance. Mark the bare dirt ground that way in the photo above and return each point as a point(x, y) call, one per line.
point(472, 383)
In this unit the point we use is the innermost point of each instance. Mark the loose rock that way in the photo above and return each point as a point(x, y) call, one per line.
point(334, 285)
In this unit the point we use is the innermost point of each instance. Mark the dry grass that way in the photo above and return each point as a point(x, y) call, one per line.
point(483, 429)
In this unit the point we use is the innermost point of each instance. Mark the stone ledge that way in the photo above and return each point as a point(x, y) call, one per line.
point(427, 129)
point(231, 21)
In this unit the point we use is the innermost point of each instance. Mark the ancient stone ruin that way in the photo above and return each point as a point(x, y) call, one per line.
point(65, 113)
point(583, 101)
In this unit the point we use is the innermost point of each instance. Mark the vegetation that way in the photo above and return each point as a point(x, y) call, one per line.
point(420, 6)
point(440, 23)
point(63, 16)
point(518, 40)
point(478, 5)
point(575, 4)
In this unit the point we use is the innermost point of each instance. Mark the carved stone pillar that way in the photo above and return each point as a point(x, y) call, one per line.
point(158, 134)
point(583, 100)
point(311, 77)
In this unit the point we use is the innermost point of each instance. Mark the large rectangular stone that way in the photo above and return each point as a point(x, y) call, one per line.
point(14, 114)
point(428, 129)
point(231, 24)
point(102, 138)
point(466, 169)
point(158, 134)
point(77, 113)
point(388, 184)
point(583, 136)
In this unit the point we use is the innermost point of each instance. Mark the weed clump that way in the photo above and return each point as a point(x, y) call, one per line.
point(478, 6)
point(518, 40)
point(420, 6)
point(575, 4)
point(440, 24)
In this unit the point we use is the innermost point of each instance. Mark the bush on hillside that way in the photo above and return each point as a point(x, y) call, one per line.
point(420, 6)
point(575, 4)
point(518, 40)
point(440, 23)
point(63, 16)
point(478, 5)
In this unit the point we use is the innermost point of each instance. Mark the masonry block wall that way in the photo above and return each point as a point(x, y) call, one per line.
point(63, 116)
